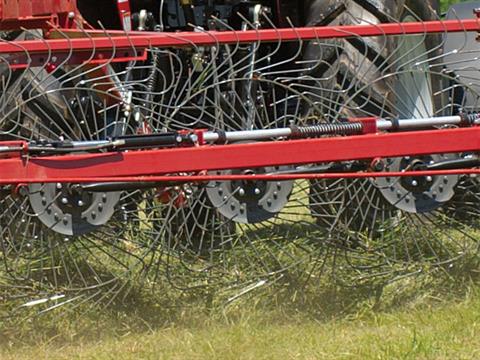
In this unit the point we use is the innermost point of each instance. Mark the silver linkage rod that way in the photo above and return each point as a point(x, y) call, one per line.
point(223, 137)
point(340, 128)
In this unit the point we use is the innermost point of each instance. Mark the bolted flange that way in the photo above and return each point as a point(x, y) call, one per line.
point(249, 202)
point(416, 194)
point(70, 212)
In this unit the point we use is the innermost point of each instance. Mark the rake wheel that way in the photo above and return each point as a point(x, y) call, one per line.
point(393, 226)
point(65, 244)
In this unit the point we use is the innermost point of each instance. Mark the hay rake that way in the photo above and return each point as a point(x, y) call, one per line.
point(233, 155)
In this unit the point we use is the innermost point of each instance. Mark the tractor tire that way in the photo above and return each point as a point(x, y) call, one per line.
point(356, 65)
point(351, 78)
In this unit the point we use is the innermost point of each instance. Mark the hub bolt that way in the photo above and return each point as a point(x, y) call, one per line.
point(414, 183)
point(80, 203)
point(429, 179)
point(59, 186)
point(241, 192)
point(64, 201)
point(257, 191)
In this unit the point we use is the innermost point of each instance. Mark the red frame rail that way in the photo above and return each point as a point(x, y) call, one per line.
point(137, 165)
point(117, 166)
point(119, 44)
point(34, 14)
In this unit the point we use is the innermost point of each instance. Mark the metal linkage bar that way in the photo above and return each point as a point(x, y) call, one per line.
point(144, 163)
point(201, 137)
point(352, 127)
point(119, 42)
point(139, 182)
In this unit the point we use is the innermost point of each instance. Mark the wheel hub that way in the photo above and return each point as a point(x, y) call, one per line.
point(68, 211)
point(249, 202)
point(416, 194)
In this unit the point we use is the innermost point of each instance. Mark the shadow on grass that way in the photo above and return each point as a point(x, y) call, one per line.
point(290, 299)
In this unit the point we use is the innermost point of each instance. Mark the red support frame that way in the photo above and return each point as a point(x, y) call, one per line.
point(118, 43)
point(34, 14)
point(144, 163)
point(138, 165)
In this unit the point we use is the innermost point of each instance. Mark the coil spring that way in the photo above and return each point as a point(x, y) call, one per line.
point(152, 79)
point(301, 132)
point(469, 118)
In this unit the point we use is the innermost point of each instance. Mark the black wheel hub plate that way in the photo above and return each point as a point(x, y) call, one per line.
point(69, 212)
point(420, 194)
point(249, 202)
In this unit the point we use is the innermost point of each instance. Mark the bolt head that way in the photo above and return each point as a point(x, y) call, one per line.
point(429, 179)
point(241, 192)
point(194, 138)
point(80, 203)
point(64, 201)
point(257, 191)
point(414, 183)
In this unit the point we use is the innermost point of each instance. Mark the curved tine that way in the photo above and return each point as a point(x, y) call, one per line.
point(6, 100)
point(277, 49)
point(67, 58)
point(416, 63)
point(229, 69)
point(86, 65)
point(365, 65)
point(258, 44)
point(286, 79)
point(39, 81)
point(272, 82)
point(19, 85)
point(150, 105)
point(191, 45)
point(255, 47)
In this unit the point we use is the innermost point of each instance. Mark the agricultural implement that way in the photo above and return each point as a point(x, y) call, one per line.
point(220, 142)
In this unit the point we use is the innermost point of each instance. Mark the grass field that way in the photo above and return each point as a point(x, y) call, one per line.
point(435, 316)
point(442, 331)
point(429, 316)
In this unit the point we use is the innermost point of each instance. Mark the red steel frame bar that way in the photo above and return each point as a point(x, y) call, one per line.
point(118, 41)
point(138, 164)
point(211, 177)
point(99, 167)
point(35, 14)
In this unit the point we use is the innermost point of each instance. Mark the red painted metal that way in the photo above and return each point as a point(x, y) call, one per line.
point(125, 14)
point(31, 14)
point(217, 157)
point(33, 22)
point(208, 178)
point(118, 41)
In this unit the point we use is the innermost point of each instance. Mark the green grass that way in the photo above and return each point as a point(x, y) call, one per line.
point(446, 3)
point(429, 316)
point(422, 328)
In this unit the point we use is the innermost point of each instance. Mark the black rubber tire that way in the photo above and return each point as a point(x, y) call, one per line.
point(339, 63)
point(370, 53)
